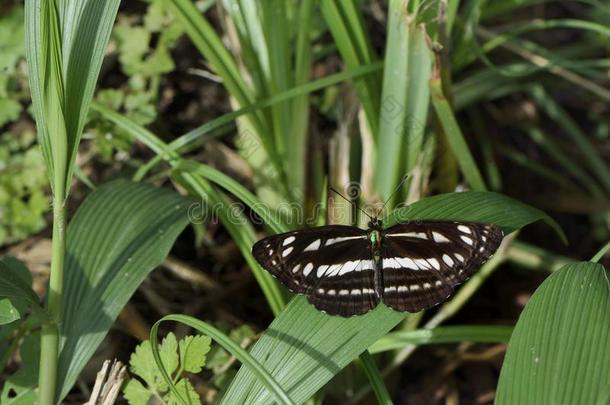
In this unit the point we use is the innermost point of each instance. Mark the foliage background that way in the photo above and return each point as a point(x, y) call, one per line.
point(526, 135)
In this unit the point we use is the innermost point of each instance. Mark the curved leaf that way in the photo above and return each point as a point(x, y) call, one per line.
point(120, 233)
point(304, 348)
point(480, 206)
point(559, 353)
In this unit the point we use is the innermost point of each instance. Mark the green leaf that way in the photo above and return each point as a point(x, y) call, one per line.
point(119, 234)
point(187, 392)
point(487, 207)
point(8, 313)
point(20, 388)
point(304, 348)
point(142, 362)
point(15, 282)
point(261, 375)
point(65, 47)
point(193, 350)
point(559, 350)
point(135, 393)
point(443, 334)
point(11, 40)
point(346, 25)
point(9, 110)
point(405, 98)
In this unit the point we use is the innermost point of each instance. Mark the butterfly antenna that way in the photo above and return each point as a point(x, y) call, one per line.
point(398, 187)
point(351, 202)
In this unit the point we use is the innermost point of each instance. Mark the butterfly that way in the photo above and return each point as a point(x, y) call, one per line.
point(412, 266)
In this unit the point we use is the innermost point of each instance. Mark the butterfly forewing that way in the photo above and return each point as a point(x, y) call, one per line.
point(423, 261)
point(332, 265)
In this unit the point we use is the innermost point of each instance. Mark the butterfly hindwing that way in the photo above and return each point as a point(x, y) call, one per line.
point(332, 265)
point(423, 261)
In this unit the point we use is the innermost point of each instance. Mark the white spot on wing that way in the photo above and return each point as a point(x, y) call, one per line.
point(296, 268)
point(348, 267)
point(459, 257)
point(439, 237)
point(334, 270)
point(322, 270)
point(343, 292)
point(408, 263)
point(399, 263)
point(402, 288)
point(332, 241)
point(391, 263)
point(270, 252)
point(415, 287)
point(356, 291)
point(389, 289)
point(422, 264)
point(467, 240)
point(313, 246)
point(287, 251)
point(366, 265)
point(464, 229)
point(288, 240)
point(434, 263)
point(419, 235)
point(447, 259)
point(331, 292)
point(308, 268)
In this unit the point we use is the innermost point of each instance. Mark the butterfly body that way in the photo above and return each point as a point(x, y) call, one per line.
point(344, 270)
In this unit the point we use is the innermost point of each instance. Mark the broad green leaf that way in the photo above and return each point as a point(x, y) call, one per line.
point(119, 234)
point(488, 207)
point(558, 353)
point(16, 281)
point(304, 348)
point(8, 313)
point(193, 351)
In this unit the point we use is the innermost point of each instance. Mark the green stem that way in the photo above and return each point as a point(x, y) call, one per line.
point(372, 372)
point(535, 258)
point(49, 341)
point(601, 253)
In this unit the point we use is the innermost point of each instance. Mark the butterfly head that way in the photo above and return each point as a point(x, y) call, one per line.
point(375, 223)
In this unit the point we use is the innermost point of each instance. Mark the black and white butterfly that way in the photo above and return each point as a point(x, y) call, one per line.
point(344, 270)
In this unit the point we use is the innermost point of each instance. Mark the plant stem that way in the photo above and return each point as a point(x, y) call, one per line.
point(49, 341)
point(598, 256)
